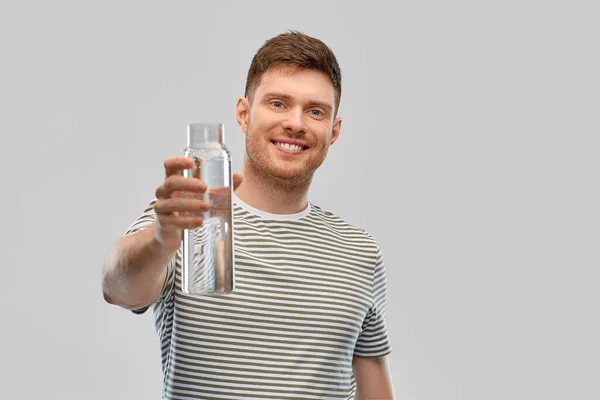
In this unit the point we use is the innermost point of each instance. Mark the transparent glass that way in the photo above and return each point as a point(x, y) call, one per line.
point(208, 251)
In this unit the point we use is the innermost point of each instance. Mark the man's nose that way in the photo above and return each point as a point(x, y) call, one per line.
point(294, 121)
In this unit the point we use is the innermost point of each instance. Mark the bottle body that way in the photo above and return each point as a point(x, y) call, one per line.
point(208, 251)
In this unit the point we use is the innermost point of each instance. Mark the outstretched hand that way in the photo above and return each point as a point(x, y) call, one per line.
point(180, 201)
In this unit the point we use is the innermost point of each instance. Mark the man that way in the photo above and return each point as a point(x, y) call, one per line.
point(306, 320)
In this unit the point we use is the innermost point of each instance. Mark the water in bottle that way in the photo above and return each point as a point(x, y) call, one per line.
point(208, 251)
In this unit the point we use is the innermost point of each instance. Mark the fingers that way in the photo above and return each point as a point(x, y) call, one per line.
point(178, 186)
point(178, 183)
point(180, 222)
point(180, 205)
point(237, 180)
point(178, 213)
point(174, 165)
point(220, 196)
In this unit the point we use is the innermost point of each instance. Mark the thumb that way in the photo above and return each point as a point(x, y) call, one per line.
point(237, 180)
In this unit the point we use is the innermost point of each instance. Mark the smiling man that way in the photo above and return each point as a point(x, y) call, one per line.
point(307, 318)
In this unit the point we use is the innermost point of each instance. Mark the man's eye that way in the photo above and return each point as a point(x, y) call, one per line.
point(316, 113)
point(277, 104)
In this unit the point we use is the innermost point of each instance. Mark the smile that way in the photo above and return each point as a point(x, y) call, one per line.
point(290, 147)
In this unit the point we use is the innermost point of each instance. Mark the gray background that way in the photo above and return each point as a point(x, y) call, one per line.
point(469, 149)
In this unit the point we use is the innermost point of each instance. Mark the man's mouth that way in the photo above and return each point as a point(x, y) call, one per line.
point(290, 146)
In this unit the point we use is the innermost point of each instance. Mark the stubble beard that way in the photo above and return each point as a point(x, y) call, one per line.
point(260, 164)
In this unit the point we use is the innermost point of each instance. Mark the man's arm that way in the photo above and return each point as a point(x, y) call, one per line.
point(373, 381)
point(136, 270)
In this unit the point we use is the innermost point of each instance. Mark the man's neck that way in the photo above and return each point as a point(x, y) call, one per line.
point(268, 196)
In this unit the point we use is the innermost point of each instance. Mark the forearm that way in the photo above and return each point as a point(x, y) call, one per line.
point(380, 391)
point(373, 381)
point(135, 271)
point(378, 394)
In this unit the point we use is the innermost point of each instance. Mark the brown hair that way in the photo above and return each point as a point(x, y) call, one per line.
point(299, 50)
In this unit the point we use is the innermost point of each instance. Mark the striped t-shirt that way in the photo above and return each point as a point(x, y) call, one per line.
point(310, 294)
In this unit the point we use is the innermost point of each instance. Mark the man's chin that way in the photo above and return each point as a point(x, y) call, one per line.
point(289, 178)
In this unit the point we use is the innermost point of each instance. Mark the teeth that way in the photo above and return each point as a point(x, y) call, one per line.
point(287, 146)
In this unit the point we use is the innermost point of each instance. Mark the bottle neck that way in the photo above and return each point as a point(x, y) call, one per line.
point(205, 135)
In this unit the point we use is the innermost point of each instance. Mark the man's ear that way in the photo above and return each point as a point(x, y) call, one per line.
point(335, 131)
point(242, 113)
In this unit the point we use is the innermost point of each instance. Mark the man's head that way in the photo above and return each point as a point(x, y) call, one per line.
point(292, 97)
point(294, 49)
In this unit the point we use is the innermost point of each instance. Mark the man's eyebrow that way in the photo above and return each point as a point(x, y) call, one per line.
point(276, 94)
point(280, 95)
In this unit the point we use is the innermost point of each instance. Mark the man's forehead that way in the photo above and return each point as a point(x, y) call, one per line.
point(295, 82)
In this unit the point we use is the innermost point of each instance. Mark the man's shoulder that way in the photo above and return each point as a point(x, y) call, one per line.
point(342, 226)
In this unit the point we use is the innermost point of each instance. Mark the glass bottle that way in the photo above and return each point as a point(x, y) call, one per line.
point(208, 251)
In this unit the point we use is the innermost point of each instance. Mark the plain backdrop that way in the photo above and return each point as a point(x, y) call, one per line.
point(469, 148)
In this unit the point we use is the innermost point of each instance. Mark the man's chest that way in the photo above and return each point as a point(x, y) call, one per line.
point(288, 292)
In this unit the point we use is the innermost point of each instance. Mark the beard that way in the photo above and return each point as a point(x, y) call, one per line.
point(286, 172)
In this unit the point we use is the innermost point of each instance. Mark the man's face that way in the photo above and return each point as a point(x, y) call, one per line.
point(289, 124)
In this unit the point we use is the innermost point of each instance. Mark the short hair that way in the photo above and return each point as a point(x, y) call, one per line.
point(298, 50)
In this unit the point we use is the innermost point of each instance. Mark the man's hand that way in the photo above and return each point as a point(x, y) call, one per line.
point(180, 203)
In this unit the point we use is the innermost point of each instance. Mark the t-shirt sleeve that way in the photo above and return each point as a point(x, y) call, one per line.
point(141, 223)
point(373, 340)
